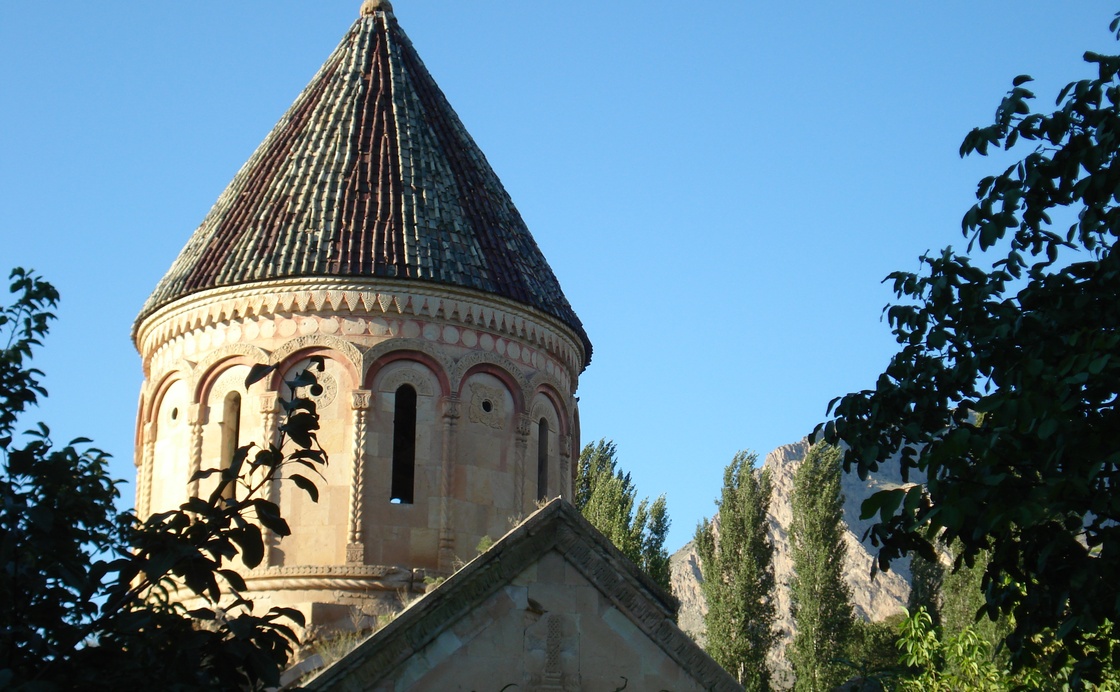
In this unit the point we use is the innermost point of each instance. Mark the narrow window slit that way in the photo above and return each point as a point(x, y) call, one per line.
point(404, 446)
point(542, 460)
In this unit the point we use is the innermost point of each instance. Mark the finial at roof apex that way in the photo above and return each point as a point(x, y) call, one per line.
point(371, 6)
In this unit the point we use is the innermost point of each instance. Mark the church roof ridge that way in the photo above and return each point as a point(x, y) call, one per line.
point(369, 174)
point(558, 526)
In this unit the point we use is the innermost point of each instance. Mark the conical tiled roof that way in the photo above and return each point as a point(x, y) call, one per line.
point(370, 173)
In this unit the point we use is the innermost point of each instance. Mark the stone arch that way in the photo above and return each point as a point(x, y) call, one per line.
point(215, 436)
point(321, 530)
point(400, 463)
point(503, 368)
point(141, 422)
point(165, 467)
point(546, 385)
point(206, 378)
point(547, 409)
point(546, 455)
point(300, 347)
point(377, 357)
point(152, 401)
point(204, 370)
point(392, 381)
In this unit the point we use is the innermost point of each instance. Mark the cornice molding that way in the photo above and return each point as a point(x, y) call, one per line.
point(334, 578)
point(362, 299)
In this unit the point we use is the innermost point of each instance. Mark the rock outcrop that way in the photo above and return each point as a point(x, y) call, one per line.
point(873, 599)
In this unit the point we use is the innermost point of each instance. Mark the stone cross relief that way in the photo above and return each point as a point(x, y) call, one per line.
point(551, 640)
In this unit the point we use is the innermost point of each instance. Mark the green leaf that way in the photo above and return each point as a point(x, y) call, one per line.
point(257, 373)
point(290, 613)
point(1048, 427)
point(235, 580)
point(889, 502)
point(269, 516)
point(249, 540)
point(1098, 364)
point(306, 485)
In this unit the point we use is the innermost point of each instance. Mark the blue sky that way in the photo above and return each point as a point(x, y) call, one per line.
point(720, 186)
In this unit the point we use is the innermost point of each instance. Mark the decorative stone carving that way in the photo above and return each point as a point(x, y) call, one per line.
point(253, 353)
point(355, 554)
point(566, 473)
point(328, 390)
point(407, 375)
point(355, 550)
point(407, 343)
point(545, 380)
point(268, 403)
point(196, 459)
point(452, 407)
point(228, 381)
point(359, 399)
point(464, 365)
point(198, 414)
point(347, 578)
point(446, 551)
point(546, 411)
point(524, 426)
point(339, 345)
point(147, 468)
point(149, 433)
point(486, 405)
point(196, 417)
point(550, 644)
point(347, 298)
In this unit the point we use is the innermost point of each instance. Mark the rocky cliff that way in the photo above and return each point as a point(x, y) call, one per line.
point(872, 599)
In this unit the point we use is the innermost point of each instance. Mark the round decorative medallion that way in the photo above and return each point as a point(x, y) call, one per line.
point(323, 393)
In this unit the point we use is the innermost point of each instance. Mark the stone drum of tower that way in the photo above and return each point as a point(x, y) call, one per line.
point(368, 230)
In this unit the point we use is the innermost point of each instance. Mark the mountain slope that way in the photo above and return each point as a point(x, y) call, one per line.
point(872, 599)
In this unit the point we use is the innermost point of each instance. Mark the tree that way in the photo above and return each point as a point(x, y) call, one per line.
point(937, 658)
point(605, 496)
point(960, 662)
point(1006, 387)
point(951, 598)
point(91, 597)
point(962, 597)
point(737, 565)
point(926, 578)
point(820, 598)
point(873, 652)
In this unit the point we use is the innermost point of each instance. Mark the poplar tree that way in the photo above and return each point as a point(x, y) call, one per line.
point(737, 565)
point(820, 599)
point(605, 496)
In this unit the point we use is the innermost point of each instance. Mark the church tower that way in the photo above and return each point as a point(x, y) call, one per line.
point(369, 230)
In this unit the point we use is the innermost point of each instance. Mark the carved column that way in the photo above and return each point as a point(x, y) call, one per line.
point(355, 547)
point(268, 406)
point(147, 468)
point(565, 483)
point(451, 411)
point(196, 419)
point(520, 445)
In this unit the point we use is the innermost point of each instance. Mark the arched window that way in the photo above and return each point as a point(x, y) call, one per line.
point(404, 446)
point(542, 459)
point(231, 435)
